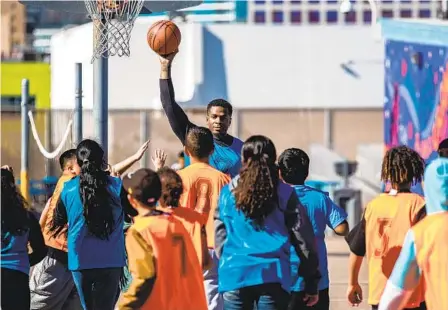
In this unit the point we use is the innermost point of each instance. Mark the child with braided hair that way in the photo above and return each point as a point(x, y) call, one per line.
point(386, 220)
point(257, 220)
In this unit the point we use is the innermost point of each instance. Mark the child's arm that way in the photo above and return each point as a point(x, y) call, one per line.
point(36, 240)
point(44, 215)
point(159, 159)
point(142, 268)
point(354, 290)
point(336, 218)
point(220, 227)
point(356, 240)
point(124, 165)
point(303, 239)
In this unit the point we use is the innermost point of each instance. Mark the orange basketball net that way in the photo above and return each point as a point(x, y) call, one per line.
point(113, 21)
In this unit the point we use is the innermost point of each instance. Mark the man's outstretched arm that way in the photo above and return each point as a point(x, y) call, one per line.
point(176, 116)
point(404, 277)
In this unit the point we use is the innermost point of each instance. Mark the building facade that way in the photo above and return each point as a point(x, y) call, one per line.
point(13, 28)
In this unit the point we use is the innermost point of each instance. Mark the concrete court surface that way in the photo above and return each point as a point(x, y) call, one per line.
point(338, 254)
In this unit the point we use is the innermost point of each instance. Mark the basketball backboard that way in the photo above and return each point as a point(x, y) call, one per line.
point(78, 6)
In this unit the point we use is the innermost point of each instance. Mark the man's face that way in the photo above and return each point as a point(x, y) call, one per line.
point(218, 120)
point(72, 168)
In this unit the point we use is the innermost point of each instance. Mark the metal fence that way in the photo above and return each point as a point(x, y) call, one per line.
point(341, 131)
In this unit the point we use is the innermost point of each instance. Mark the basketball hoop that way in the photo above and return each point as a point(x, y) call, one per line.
point(113, 21)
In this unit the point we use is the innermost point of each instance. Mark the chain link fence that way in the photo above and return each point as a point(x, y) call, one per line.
point(347, 130)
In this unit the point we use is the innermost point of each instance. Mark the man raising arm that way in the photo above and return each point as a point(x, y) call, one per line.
point(226, 155)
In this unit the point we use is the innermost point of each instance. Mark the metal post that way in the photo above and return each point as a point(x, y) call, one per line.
point(328, 127)
point(144, 129)
point(24, 182)
point(78, 104)
point(48, 142)
point(100, 93)
point(236, 123)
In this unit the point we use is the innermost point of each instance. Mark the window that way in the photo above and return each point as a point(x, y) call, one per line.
point(277, 17)
point(405, 13)
point(367, 17)
point(277, 1)
point(332, 17)
point(296, 1)
point(425, 13)
point(260, 17)
point(314, 17)
point(387, 13)
point(260, 2)
point(350, 17)
point(296, 17)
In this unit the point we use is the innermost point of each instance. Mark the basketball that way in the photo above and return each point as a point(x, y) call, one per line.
point(164, 37)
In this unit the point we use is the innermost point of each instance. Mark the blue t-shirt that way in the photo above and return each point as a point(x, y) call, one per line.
point(86, 251)
point(321, 211)
point(254, 256)
point(226, 159)
point(15, 252)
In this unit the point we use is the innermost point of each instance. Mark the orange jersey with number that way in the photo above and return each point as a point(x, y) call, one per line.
point(431, 244)
point(192, 223)
point(60, 242)
point(388, 219)
point(178, 276)
point(202, 185)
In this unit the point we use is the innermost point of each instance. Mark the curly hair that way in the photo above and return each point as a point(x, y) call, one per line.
point(93, 188)
point(294, 166)
point(14, 206)
point(402, 165)
point(172, 187)
point(256, 191)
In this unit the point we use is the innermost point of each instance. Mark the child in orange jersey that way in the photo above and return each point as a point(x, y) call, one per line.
point(169, 202)
point(202, 185)
point(165, 269)
point(425, 249)
point(386, 220)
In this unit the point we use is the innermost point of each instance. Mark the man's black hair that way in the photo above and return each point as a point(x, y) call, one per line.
point(443, 148)
point(443, 144)
point(220, 103)
point(294, 166)
point(66, 157)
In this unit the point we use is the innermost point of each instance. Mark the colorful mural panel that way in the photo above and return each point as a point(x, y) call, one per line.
point(416, 96)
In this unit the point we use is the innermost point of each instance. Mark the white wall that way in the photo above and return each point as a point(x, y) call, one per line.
point(253, 66)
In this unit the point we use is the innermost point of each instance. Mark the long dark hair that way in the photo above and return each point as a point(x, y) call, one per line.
point(256, 192)
point(172, 187)
point(14, 206)
point(93, 183)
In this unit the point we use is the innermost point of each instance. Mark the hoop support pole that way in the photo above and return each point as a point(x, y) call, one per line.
point(100, 94)
point(24, 165)
point(78, 104)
